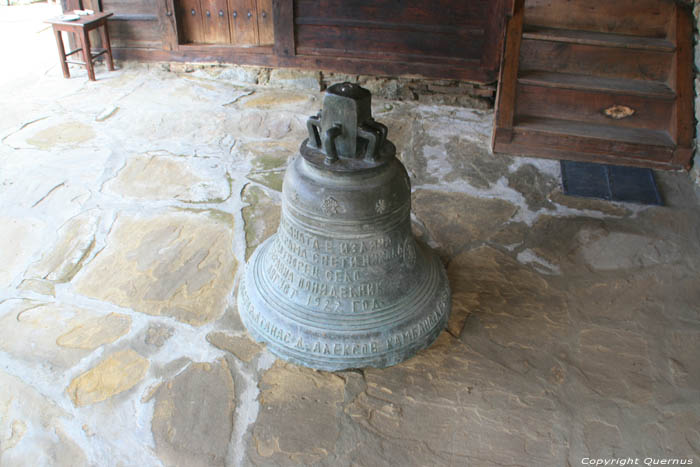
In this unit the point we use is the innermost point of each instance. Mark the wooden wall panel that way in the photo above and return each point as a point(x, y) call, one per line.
point(283, 16)
point(438, 13)
point(387, 43)
point(413, 30)
point(135, 23)
point(451, 39)
point(128, 7)
point(133, 34)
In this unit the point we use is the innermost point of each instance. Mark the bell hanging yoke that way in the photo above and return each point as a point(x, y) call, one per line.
point(345, 130)
point(343, 283)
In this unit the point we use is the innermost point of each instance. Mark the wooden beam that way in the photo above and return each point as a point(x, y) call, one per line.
point(264, 56)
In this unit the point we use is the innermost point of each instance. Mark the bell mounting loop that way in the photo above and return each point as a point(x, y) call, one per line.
point(343, 136)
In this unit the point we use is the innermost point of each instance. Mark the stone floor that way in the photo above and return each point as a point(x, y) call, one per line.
point(130, 204)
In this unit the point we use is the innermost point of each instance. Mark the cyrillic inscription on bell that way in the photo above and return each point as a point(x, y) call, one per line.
point(343, 283)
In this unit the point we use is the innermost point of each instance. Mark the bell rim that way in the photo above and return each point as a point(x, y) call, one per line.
point(383, 360)
point(432, 302)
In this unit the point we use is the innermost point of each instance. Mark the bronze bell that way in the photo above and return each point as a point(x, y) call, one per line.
point(343, 283)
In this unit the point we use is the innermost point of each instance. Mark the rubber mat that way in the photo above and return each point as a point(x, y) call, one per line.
point(610, 182)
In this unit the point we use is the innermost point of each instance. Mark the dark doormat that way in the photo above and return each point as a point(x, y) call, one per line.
point(610, 182)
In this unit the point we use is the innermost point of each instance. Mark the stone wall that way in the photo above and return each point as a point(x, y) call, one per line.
point(423, 90)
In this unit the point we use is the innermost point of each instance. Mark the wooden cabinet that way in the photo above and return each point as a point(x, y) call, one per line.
point(598, 81)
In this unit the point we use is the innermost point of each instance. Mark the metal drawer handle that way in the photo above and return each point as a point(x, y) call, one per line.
point(250, 14)
point(221, 13)
point(208, 13)
point(235, 14)
point(193, 12)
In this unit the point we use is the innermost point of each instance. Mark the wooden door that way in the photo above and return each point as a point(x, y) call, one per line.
point(190, 25)
point(216, 21)
point(266, 31)
point(244, 22)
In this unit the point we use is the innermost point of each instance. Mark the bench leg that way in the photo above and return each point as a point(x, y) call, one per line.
point(61, 52)
point(105, 43)
point(87, 54)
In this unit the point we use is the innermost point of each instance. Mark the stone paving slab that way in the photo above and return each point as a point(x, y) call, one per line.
point(130, 205)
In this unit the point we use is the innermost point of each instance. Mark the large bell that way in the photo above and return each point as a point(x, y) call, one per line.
point(343, 283)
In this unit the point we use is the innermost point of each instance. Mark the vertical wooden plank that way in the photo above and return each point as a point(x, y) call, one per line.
point(216, 21)
point(266, 27)
point(244, 22)
point(682, 82)
point(191, 24)
point(283, 20)
point(508, 82)
point(165, 10)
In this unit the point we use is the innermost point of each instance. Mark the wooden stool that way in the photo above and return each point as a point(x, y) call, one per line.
point(81, 27)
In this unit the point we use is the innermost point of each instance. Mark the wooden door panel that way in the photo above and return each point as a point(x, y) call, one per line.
point(190, 21)
point(266, 30)
point(216, 21)
point(244, 22)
